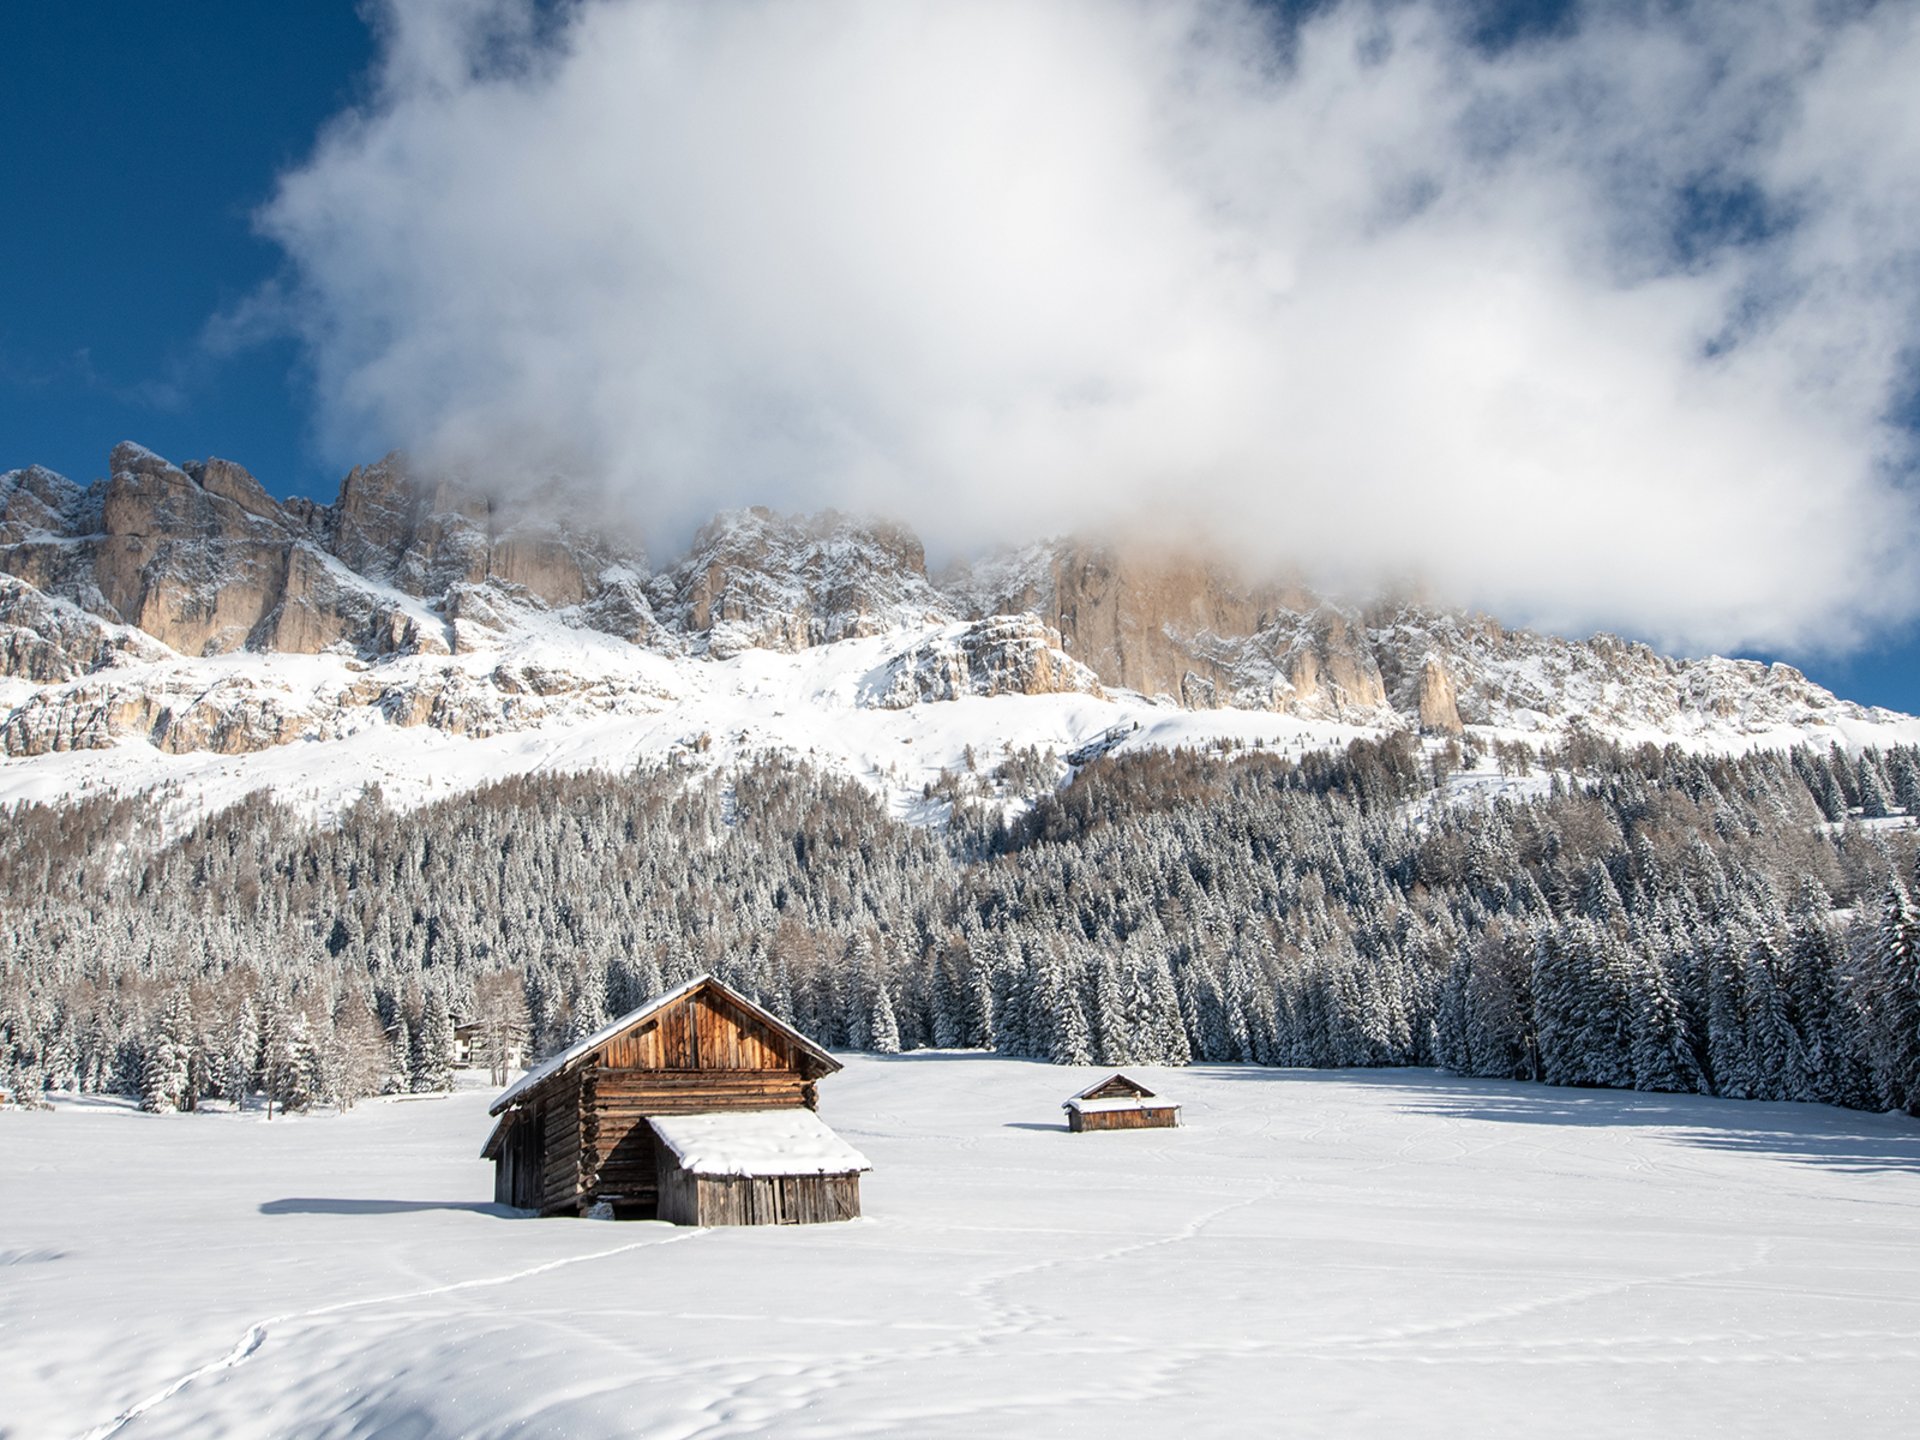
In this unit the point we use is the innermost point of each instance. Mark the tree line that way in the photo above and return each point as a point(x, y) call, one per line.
point(1595, 915)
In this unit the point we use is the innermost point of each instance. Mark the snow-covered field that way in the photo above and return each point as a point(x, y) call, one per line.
point(1316, 1253)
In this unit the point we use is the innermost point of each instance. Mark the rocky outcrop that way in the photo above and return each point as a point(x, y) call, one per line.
point(1002, 655)
point(1141, 621)
point(35, 503)
point(757, 580)
point(203, 559)
point(48, 641)
point(1167, 623)
point(426, 535)
point(1434, 703)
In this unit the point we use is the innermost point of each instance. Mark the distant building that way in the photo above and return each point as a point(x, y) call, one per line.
point(1118, 1103)
point(475, 1043)
point(698, 1107)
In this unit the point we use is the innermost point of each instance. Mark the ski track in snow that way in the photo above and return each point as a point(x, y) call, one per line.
point(257, 1333)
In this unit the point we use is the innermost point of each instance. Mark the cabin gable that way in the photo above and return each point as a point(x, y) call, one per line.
point(1115, 1087)
point(705, 1030)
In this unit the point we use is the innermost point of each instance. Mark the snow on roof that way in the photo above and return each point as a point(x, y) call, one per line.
point(1123, 1102)
point(756, 1142)
point(580, 1049)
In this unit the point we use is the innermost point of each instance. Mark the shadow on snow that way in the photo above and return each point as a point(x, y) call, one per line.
point(328, 1205)
point(1853, 1141)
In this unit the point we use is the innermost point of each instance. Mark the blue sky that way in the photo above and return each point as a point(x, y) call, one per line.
point(144, 141)
point(141, 138)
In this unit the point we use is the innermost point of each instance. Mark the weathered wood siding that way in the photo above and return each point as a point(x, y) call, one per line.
point(560, 1120)
point(1159, 1118)
point(756, 1199)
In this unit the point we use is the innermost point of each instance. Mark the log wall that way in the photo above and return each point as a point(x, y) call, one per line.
point(560, 1119)
point(619, 1153)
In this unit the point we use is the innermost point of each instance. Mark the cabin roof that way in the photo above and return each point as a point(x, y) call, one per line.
point(491, 1149)
point(756, 1142)
point(1115, 1086)
point(556, 1064)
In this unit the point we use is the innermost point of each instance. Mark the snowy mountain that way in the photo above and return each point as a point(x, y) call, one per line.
point(176, 623)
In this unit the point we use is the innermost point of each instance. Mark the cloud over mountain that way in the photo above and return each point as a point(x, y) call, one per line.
point(1610, 327)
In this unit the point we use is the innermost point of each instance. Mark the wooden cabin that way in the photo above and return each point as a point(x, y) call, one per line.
point(574, 1133)
point(1118, 1103)
point(768, 1167)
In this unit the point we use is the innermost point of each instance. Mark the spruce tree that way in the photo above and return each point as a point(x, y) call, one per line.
point(433, 1046)
point(1663, 1060)
point(884, 1029)
point(1897, 997)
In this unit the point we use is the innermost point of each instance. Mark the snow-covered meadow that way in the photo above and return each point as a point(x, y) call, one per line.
point(1315, 1252)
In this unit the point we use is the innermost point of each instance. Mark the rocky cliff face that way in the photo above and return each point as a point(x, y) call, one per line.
point(1001, 655)
point(435, 604)
point(759, 581)
point(1187, 628)
point(204, 560)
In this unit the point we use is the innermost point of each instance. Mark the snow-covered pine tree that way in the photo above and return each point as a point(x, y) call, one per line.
point(163, 1078)
point(1871, 787)
point(1897, 997)
point(433, 1045)
point(1812, 972)
point(1773, 1044)
point(856, 991)
point(884, 1029)
point(1729, 1058)
point(286, 1056)
point(1113, 1041)
point(1663, 1057)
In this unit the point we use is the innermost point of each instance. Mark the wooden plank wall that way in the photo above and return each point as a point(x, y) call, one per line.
point(506, 1169)
point(701, 1032)
point(757, 1199)
point(1158, 1119)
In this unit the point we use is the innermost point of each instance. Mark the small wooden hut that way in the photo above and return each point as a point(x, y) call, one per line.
point(574, 1132)
point(772, 1167)
point(1118, 1103)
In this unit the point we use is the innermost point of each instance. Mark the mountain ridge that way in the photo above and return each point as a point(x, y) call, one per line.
point(179, 609)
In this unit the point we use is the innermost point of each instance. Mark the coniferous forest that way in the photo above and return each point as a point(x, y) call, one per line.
point(1641, 918)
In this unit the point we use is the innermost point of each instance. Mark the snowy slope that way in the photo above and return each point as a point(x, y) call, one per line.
point(550, 697)
point(619, 707)
point(1316, 1253)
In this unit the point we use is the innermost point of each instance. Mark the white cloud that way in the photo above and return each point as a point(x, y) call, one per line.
point(1373, 301)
